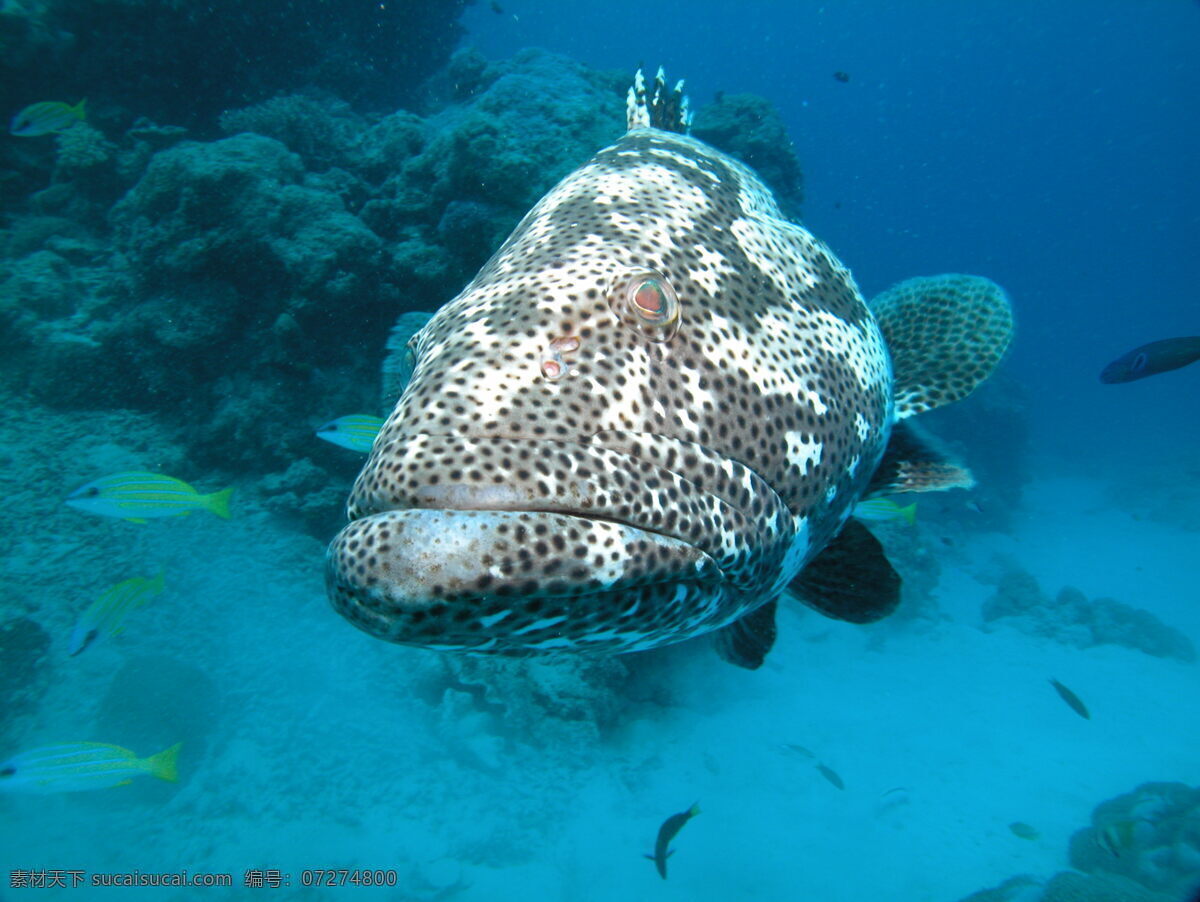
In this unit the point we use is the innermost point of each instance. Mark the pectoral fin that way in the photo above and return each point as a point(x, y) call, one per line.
point(850, 579)
point(745, 642)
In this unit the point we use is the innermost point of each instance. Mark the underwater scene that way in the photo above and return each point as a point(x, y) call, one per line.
point(511, 449)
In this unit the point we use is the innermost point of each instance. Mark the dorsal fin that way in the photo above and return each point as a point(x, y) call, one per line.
point(945, 333)
point(663, 109)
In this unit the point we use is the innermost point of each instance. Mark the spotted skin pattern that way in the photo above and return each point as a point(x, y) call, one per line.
point(569, 470)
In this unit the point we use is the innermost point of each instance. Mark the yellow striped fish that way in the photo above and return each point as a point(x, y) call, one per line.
point(883, 509)
point(46, 118)
point(74, 766)
point(106, 615)
point(356, 431)
point(138, 496)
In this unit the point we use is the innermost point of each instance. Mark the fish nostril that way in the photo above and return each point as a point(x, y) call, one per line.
point(553, 365)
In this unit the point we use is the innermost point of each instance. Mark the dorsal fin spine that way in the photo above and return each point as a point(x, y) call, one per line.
point(665, 109)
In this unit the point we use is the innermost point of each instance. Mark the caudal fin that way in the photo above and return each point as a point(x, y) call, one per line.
point(164, 765)
point(218, 502)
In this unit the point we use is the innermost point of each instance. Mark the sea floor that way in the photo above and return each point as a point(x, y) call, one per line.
point(308, 745)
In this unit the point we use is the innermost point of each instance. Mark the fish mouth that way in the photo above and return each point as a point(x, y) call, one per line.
point(551, 544)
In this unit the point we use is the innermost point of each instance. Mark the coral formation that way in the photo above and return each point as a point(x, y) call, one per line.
point(1150, 836)
point(562, 703)
point(238, 208)
point(1068, 886)
point(1072, 619)
point(137, 54)
point(749, 127)
point(82, 147)
point(24, 647)
point(1142, 846)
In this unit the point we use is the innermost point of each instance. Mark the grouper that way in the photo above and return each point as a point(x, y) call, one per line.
point(651, 413)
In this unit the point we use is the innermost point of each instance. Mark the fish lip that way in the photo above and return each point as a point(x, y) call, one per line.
point(455, 581)
point(580, 498)
point(493, 498)
point(621, 486)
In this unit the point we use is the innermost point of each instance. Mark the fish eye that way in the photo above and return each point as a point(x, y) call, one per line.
point(91, 492)
point(1139, 363)
point(649, 304)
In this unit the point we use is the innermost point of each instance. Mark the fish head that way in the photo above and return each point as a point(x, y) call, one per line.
point(1126, 368)
point(655, 402)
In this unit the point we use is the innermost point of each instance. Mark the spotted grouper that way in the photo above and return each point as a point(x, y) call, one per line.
point(651, 412)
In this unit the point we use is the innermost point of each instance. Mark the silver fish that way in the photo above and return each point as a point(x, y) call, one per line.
point(651, 411)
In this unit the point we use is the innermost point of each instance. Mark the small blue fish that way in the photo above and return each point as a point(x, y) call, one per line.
point(106, 615)
point(46, 118)
point(74, 766)
point(137, 496)
point(882, 510)
point(356, 431)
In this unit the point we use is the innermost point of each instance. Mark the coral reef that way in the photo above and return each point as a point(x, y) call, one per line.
point(24, 648)
point(1142, 846)
point(137, 54)
point(1072, 619)
point(323, 131)
point(562, 703)
point(238, 208)
point(1150, 836)
point(1068, 886)
point(749, 127)
point(82, 147)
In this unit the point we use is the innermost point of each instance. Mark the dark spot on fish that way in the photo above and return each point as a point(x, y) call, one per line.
point(843, 77)
point(8, 771)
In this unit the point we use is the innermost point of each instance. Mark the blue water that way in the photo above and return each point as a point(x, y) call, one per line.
point(1053, 147)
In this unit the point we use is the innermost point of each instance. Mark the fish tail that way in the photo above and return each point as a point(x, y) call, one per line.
point(218, 502)
point(694, 810)
point(164, 765)
point(909, 514)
